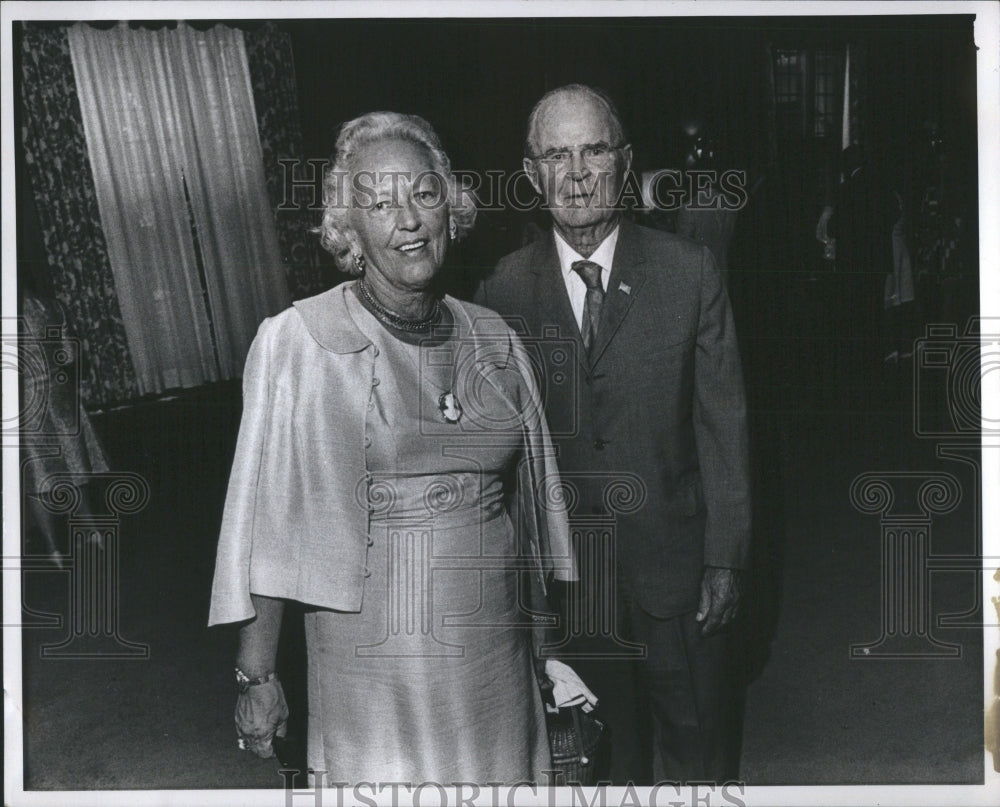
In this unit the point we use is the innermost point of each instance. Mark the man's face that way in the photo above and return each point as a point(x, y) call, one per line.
point(578, 164)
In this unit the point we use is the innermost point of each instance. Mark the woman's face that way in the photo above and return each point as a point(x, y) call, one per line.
point(400, 212)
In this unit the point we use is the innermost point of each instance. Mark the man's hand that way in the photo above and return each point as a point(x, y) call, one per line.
point(721, 592)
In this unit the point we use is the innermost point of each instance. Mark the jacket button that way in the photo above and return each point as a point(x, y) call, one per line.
point(368, 442)
point(375, 382)
point(368, 572)
point(370, 541)
point(376, 351)
point(599, 444)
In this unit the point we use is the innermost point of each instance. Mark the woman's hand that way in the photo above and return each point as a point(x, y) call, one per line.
point(261, 711)
point(261, 714)
point(567, 688)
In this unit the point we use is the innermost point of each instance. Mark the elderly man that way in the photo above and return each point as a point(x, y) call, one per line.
point(659, 405)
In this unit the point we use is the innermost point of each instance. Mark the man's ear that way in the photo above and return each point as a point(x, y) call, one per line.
point(529, 168)
point(627, 156)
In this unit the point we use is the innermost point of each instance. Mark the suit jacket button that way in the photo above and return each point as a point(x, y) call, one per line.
point(599, 444)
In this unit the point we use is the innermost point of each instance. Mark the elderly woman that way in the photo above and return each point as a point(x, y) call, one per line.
point(388, 474)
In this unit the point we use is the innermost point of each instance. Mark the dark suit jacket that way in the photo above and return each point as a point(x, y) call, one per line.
point(661, 404)
point(863, 217)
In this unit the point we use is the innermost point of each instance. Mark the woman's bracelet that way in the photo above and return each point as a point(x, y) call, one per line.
point(245, 682)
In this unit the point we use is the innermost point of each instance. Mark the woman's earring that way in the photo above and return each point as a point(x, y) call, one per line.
point(359, 262)
point(452, 231)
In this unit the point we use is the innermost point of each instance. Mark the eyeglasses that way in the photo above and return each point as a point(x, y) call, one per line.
point(593, 155)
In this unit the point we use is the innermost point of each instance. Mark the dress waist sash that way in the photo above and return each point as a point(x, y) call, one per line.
point(441, 501)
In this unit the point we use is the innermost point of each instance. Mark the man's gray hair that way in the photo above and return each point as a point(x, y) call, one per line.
point(618, 129)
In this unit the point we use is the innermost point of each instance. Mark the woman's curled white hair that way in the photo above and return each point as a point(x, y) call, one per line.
point(336, 235)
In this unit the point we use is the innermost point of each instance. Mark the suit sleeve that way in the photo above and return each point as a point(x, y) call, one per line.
point(541, 507)
point(540, 496)
point(685, 223)
point(480, 297)
point(720, 423)
point(231, 585)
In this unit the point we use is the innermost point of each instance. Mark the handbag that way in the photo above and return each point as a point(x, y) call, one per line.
point(575, 740)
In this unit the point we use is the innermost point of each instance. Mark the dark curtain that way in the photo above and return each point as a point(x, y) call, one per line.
point(272, 74)
point(58, 169)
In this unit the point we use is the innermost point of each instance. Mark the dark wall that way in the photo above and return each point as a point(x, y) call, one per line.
point(476, 81)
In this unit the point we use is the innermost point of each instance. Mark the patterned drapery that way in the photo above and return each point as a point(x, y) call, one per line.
point(174, 149)
point(272, 75)
point(62, 184)
point(59, 171)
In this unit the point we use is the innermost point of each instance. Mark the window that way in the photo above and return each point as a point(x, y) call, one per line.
point(828, 80)
point(808, 87)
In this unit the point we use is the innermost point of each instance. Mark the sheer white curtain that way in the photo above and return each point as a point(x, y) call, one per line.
point(172, 137)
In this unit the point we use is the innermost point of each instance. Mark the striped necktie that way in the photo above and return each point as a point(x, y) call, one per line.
point(590, 272)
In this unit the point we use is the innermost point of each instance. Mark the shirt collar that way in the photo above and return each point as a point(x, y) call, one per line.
point(604, 255)
point(328, 320)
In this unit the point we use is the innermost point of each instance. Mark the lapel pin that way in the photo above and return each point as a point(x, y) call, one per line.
point(625, 287)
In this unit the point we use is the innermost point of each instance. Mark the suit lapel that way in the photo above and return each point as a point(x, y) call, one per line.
point(624, 287)
point(552, 299)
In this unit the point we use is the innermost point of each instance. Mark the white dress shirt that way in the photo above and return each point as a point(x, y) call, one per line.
point(604, 255)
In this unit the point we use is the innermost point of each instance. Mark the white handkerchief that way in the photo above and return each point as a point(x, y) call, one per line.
point(567, 688)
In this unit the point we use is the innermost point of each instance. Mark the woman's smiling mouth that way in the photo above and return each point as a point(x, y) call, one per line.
point(412, 246)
